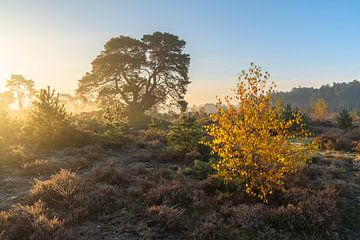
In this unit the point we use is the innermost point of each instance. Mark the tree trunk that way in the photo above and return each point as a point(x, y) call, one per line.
point(136, 114)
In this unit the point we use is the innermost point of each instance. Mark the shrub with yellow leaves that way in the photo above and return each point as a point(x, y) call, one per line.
point(257, 148)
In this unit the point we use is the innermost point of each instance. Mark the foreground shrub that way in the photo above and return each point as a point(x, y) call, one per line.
point(92, 200)
point(76, 199)
point(170, 216)
point(200, 170)
point(171, 193)
point(61, 187)
point(28, 222)
point(304, 214)
point(110, 174)
point(253, 141)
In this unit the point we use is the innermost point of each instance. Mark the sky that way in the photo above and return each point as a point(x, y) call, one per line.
point(301, 43)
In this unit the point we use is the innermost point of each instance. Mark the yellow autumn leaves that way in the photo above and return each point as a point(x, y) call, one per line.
point(255, 145)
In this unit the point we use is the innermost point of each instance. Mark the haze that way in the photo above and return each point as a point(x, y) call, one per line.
point(307, 44)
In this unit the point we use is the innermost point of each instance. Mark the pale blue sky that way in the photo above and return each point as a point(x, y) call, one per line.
point(305, 43)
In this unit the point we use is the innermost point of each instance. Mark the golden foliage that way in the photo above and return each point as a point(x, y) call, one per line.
point(319, 109)
point(255, 146)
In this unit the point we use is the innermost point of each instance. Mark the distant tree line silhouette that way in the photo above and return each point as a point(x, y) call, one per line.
point(337, 96)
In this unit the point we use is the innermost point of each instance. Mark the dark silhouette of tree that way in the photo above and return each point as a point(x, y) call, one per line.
point(22, 88)
point(139, 73)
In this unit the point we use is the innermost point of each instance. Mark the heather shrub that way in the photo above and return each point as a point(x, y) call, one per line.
point(168, 155)
point(171, 217)
point(343, 143)
point(76, 163)
point(109, 174)
point(217, 226)
point(313, 212)
point(199, 170)
point(152, 134)
point(17, 155)
point(37, 166)
point(60, 188)
point(93, 200)
point(28, 222)
point(324, 142)
point(171, 193)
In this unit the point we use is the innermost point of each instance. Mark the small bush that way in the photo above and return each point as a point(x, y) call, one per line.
point(76, 163)
point(28, 222)
point(37, 166)
point(171, 193)
point(343, 143)
point(200, 170)
point(17, 155)
point(92, 200)
point(110, 174)
point(152, 134)
point(324, 142)
point(172, 217)
point(312, 212)
point(252, 141)
point(185, 134)
point(60, 188)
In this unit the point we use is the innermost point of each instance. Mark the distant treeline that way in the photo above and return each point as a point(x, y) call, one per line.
point(337, 96)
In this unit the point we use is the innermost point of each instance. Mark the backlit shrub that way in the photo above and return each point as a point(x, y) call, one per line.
point(253, 141)
point(49, 124)
point(170, 216)
point(28, 222)
point(61, 187)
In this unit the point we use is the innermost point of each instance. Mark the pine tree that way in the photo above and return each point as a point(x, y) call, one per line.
point(344, 120)
point(185, 134)
point(49, 125)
